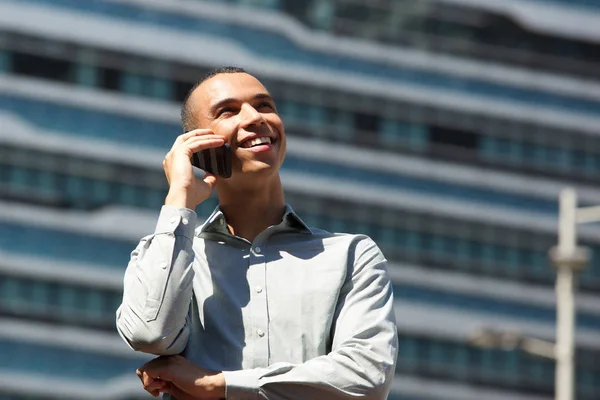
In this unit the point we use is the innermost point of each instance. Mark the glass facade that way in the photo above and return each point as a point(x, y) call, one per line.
point(459, 362)
point(425, 357)
point(279, 48)
point(77, 183)
point(326, 115)
point(446, 28)
point(59, 302)
point(63, 245)
point(420, 238)
point(439, 27)
point(430, 239)
point(417, 355)
point(444, 243)
point(74, 363)
point(91, 306)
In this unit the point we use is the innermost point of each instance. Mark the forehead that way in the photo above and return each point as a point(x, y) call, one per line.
point(238, 86)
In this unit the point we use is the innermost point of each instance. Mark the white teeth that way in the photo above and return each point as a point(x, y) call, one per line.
point(260, 140)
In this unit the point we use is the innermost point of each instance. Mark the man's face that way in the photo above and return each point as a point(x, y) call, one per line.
point(238, 107)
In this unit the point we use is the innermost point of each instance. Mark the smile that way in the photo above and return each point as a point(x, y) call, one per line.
point(260, 141)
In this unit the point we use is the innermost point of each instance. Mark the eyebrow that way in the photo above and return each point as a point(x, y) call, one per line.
point(224, 102)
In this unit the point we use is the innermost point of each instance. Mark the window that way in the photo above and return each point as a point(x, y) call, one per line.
point(162, 89)
point(181, 89)
point(321, 14)
point(42, 67)
point(5, 61)
point(109, 78)
point(299, 9)
point(86, 75)
point(132, 83)
point(342, 123)
point(453, 137)
point(316, 117)
point(366, 122)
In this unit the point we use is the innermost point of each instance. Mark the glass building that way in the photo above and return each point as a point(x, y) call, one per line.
point(458, 121)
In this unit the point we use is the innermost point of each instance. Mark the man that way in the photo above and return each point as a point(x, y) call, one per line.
point(252, 304)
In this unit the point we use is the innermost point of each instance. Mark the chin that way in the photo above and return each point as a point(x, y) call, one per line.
point(259, 169)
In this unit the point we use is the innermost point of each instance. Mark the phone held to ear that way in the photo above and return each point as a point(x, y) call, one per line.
point(216, 161)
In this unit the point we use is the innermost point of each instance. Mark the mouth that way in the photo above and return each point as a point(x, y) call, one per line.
point(259, 143)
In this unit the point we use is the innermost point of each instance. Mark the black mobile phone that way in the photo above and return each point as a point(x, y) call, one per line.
point(217, 161)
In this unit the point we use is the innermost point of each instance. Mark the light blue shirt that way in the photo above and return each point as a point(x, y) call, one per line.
point(299, 313)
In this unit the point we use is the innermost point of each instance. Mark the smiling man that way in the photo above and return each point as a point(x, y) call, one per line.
point(253, 303)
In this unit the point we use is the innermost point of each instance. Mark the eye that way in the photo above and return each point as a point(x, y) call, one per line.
point(265, 104)
point(226, 111)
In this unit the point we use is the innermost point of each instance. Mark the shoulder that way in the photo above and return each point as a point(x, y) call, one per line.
point(357, 246)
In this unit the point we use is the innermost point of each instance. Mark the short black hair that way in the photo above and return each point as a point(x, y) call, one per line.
point(187, 115)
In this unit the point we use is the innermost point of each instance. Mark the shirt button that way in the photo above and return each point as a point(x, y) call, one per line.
point(260, 332)
point(257, 250)
point(173, 220)
point(258, 289)
point(185, 221)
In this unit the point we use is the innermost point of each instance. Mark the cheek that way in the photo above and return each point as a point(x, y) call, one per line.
point(226, 128)
point(276, 123)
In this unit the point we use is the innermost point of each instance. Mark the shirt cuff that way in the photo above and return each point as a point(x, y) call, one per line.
point(242, 384)
point(180, 221)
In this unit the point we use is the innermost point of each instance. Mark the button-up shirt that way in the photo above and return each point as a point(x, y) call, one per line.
point(299, 313)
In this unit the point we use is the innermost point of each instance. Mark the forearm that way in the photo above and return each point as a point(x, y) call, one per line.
point(158, 286)
point(341, 375)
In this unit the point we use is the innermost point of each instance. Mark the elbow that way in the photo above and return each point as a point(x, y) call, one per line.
point(379, 388)
point(378, 381)
point(151, 338)
point(153, 344)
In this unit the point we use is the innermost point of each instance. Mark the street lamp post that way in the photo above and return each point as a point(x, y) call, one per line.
point(568, 259)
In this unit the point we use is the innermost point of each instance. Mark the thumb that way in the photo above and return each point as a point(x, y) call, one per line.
point(210, 180)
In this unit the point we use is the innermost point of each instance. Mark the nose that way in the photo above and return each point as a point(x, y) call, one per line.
point(251, 117)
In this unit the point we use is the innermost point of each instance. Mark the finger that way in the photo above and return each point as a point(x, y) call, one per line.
point(146, 379)
point(204, 134)
point(195, 132)
point(157, 384)
point(156, 369)
point(197, 140)
point(194, 146)
point(152, 389)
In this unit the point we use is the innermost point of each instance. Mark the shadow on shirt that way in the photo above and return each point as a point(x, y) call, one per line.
point(229, 298)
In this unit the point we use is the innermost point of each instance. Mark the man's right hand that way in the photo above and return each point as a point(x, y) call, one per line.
point(185, 189)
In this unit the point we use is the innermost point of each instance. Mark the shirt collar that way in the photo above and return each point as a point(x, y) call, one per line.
point(216, 222)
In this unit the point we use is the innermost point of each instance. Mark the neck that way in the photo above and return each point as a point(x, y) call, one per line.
point(251, 210)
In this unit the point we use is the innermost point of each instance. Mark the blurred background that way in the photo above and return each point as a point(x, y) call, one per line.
point(444, 129)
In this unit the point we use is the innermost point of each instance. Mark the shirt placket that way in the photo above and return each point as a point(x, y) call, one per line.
point(258, 304)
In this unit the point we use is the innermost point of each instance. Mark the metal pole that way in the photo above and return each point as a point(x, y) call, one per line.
point(565, 307)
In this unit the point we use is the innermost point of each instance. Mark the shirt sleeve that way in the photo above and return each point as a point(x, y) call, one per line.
point(153, 317)
point(364, 348)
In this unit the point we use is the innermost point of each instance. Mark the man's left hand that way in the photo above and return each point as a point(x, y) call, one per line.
point(180, 378)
